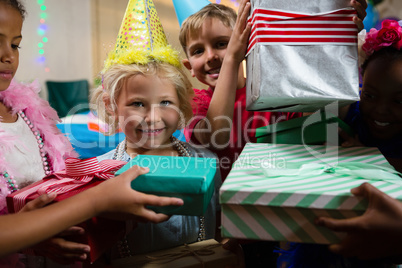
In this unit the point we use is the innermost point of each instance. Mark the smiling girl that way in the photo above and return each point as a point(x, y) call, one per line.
point(31, 146)
point(377, 118)
point(149, 102)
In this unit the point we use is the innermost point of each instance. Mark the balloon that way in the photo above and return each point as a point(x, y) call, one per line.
point(371, 18)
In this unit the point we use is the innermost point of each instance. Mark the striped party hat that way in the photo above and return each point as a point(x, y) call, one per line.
point(141, 38)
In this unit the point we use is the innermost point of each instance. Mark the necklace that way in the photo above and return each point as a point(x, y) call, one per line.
point(11, 183)
point(181, 148)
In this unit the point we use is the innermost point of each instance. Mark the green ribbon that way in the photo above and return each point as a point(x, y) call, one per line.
point(355, 169)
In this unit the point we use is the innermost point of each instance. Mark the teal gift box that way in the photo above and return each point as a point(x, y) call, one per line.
point(276, 191)
point(313, 129)
point(188, 178)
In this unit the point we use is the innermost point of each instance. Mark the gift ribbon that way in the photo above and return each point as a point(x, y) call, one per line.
point(356, 169)
point(188, 251)
point(77, 174)
point(277, 27)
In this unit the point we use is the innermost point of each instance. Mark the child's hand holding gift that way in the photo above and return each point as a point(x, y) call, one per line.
point(58, 248)
point(375, 234)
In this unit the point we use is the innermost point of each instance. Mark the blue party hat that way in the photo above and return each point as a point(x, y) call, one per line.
point(186, 8)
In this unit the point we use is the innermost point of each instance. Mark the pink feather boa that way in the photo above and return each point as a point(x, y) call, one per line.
point(25, 97)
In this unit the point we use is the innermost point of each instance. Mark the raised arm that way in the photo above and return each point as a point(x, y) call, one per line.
point(375, 234)
point(220, 112)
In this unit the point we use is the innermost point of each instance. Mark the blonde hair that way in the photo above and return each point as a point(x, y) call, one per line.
point(116, 76)
point(194, 22)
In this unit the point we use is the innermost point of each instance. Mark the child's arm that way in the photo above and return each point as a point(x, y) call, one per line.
point(61, 250)
point(220, 112)
point(25, 229)
point(375, 234)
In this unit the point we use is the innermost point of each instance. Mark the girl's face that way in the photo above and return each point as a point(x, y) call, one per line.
point(10, 38)
point(148, 112)
point(381, 98)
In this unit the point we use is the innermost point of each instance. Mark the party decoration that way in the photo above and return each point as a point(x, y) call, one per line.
point(141, 38)
point(42, 32)
point(186, 8)
point(372, 16)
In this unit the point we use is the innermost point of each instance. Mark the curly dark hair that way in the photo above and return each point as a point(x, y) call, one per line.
point(388, 54)
point(17, 4)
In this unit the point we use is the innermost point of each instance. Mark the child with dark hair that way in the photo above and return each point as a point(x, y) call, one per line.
point(377, 120)
point(31, 147)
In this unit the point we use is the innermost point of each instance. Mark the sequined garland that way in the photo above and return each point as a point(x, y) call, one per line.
point(181, 148)
point(11, 183)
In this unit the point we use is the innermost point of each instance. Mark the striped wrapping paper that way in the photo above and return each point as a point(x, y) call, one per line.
point(283, 208)
point(78, 176)
point(302, 55)
point(277, 27)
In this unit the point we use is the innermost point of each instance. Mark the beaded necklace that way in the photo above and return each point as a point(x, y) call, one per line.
point(11, 183)
point(181, 148)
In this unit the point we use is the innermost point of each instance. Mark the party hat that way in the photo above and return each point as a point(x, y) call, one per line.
point(141, 38)
point(186, 8)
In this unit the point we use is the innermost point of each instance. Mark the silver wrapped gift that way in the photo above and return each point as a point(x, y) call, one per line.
point(302, 76)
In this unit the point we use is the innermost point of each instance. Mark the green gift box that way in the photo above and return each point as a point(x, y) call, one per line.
point(188, 178)
point(276, 191)
point(311, 129)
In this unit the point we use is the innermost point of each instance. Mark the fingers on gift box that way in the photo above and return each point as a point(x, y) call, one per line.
point(79, 175)
point(276, 191)
point(188, 178)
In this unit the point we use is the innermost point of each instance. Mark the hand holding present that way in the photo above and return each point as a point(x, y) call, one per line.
point(20, 231)
point(58, 248)
point(119, 197)
point(375, 234)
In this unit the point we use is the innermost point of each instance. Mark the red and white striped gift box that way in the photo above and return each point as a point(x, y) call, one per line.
point(79, 175)
point(276, 27)
point(302, 55)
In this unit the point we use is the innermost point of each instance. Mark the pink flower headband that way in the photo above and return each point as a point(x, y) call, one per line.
point(390, 34)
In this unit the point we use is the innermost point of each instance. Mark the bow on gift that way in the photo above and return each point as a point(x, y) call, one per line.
point(78, 173)
point(356, 169)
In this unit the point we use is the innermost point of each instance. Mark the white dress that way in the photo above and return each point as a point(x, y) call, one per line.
point(26, 157)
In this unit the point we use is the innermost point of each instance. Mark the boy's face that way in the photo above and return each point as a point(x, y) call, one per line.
point(381, 98)
point(148, 112)
point(10, 38)
point(206, 49)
